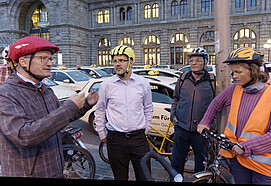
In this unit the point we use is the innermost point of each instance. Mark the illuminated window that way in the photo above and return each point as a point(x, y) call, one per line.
point(104, 47)
point(126, 41)
point(155, 10)
point(100, 16)
point(106, 16)
point(151, 50)
point(40, 23)
point(178, 42)
point(147, 11)
point(244, 37)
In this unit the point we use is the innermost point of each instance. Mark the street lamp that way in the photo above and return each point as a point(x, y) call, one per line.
point(187, 49)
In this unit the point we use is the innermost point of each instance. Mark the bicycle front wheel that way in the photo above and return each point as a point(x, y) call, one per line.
point(210, 179)
point(103, 152)
point(78, 163)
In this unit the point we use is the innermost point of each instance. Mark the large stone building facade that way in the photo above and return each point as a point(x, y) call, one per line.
point(160, 31)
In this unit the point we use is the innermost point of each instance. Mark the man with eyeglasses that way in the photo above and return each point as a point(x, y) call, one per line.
point(193, 93)
point(125, 100)
point(31, 115)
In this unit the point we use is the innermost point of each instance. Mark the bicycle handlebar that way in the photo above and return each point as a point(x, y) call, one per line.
point(223, 142)
point(174, 175)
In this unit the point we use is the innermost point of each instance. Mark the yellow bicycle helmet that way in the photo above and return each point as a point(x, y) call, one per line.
point(123, 50)
point(245, 55)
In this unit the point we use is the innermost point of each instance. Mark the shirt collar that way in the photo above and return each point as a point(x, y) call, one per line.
point(26, 79)
point(116, 78)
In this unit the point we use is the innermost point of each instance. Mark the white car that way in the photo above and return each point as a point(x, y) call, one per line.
point(209, 68)
point(159, 72)
point(162, 97)
point(73, 79)
point(94, 72)
point(61, 92)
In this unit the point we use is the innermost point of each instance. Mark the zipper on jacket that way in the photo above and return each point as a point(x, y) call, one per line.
point(192, 107)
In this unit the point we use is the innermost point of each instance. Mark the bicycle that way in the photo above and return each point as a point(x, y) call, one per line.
point(165, 148)
point(212, 172)
point(78, 161)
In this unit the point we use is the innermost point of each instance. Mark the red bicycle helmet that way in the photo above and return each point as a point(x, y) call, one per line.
point(28, 45)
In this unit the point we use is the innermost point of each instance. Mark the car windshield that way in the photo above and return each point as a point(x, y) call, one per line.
point(103, 73)
point(78, 75)
point(49, 82)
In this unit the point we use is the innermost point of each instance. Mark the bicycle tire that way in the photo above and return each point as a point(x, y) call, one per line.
point(208, 179)
point(72, 155)
point(102, 146)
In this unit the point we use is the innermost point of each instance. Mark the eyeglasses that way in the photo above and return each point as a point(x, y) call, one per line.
point(120, 61)
point(44, 59)
point(196, 61)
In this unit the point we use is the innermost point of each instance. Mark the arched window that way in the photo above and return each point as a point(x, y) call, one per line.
point(183, 7)
point(122, 14)
point(155, 10)
point(174, 8)
point(129, 13)
point(207, 40)
point(100, 17)
point(40, 22)
point(178, 43)
point(244, 37)
point(151, 50)
point(104, 48)
point(147, 11)
point(126, 41)
point(106, 16)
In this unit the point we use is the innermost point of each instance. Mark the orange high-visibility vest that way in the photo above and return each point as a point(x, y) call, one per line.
point(255, 126)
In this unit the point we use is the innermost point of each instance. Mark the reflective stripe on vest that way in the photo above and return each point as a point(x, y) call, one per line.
point(255, 127)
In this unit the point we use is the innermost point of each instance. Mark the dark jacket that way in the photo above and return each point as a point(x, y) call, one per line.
point(191, 100)
point(31, 118)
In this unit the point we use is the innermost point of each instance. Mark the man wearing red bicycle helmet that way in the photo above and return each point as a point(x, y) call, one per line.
point(31, 115)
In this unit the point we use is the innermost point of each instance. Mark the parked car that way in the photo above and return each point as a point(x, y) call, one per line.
point(162, 97)
point(61, 92)
point(209, 68)
point(161, 72)
point(94, 72)
point(73, 79)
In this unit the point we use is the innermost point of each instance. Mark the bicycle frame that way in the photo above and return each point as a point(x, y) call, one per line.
point(165, 137)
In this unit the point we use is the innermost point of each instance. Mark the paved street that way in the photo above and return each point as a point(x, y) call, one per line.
point(103, 170)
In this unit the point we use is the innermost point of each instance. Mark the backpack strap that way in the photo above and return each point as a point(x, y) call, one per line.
point(182, 79)
point(213, 83)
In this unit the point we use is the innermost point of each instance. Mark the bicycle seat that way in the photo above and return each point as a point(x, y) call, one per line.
point(167, 109)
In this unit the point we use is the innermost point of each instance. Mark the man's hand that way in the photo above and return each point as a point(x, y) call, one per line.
point(78, 99)
point(92, 97)
point(201, 127)
point(175, 121)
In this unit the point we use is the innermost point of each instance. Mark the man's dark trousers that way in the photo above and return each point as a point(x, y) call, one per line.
point(182, 141)
point(122, 148)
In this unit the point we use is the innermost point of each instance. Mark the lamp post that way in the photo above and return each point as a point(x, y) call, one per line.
point(186, 49)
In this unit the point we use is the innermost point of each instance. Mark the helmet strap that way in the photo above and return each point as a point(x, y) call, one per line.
point(29, 72)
